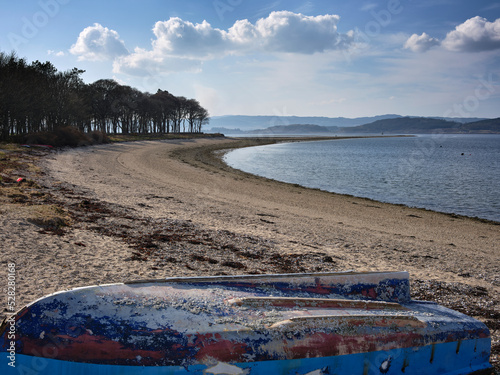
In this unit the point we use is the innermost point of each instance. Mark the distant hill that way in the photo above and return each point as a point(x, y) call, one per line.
point(295, 129)
point(235, 124)
point(484, 126)
point(247, 123)
point(423, 125)
point(397, 125)
point(405, 125)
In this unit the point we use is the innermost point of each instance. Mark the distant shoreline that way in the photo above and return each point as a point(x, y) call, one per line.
point(386, 124)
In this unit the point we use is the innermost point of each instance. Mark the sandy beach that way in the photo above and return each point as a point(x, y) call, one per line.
point(157, 209)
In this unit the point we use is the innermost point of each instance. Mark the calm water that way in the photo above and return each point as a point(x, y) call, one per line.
point(448, 173)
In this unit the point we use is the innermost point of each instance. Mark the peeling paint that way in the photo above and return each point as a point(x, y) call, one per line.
point(322, 371)
point(307, 323)
point(225, 369)
point(385, 366)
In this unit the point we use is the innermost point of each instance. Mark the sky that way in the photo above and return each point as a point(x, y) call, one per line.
point(282, 58)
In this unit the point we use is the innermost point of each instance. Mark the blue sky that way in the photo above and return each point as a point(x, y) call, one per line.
point(305, 58)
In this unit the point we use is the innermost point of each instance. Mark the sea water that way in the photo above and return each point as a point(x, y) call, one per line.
point(448, 173)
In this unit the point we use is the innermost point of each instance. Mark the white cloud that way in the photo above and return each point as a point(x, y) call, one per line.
point(176, 37)
point(56, 53)
point(474, 35)
point(185, 45)
point(420, 43)
point(98, 43)
point(296, 33)
point(280, 31)
point(151, 63)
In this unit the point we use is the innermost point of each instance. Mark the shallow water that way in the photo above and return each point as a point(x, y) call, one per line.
point(448, 173)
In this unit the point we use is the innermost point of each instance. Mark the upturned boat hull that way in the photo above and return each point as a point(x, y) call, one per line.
point(335, 323)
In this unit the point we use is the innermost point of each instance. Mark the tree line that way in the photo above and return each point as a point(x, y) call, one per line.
point(37, 97)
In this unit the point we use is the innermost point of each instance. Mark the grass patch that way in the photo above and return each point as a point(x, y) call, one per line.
point(33, 168)
point(26, 199)
point(48, 216)
point(9, 147)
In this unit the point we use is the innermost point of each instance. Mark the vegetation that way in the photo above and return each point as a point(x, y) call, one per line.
point(423, 125)
point(399, 125)
point(293, 129)
point(36, 98)
point(485, 126)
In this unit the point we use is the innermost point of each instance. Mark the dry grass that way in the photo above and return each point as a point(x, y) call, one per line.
point(27, 198)
point(48, 216)
point(9, 147)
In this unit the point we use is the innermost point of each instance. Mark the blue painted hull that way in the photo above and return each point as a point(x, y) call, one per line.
point(314, 324)
point(410, 361)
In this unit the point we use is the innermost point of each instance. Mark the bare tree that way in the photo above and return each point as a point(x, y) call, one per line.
point(36, 97)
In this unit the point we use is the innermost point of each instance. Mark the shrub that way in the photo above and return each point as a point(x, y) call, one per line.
point(99, 137)
point(66, 136)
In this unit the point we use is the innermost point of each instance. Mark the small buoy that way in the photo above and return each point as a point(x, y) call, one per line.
point(21, 179)
point(463, 154)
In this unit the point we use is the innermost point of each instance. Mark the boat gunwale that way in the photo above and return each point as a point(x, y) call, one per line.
point(277, 276)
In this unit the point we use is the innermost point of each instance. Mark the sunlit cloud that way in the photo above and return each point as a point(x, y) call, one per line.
point(420, 43)
point(56, 53)
point(474, 35)
point(98, 43)
point(182, 41)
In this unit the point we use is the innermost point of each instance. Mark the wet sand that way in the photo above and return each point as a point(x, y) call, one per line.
point(172, 208)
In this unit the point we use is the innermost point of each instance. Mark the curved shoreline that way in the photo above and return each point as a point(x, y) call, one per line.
point(214, 157)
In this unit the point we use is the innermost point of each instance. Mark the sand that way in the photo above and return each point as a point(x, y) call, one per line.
point(172, 208)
